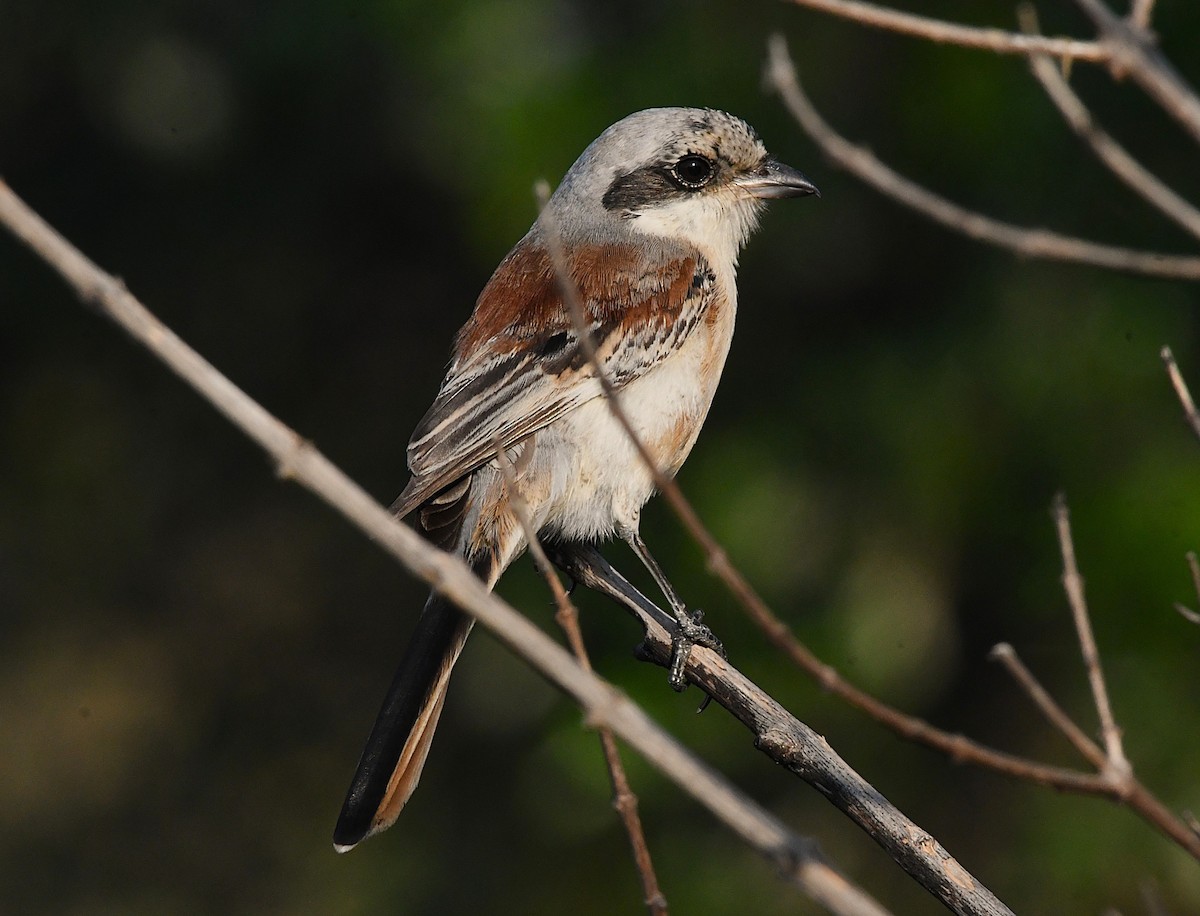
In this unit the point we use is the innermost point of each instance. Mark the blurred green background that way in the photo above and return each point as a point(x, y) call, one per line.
point(312, 194)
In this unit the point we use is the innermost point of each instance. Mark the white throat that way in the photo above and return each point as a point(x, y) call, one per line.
point(717, 225)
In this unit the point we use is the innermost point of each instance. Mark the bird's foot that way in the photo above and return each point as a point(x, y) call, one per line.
point(690, 632)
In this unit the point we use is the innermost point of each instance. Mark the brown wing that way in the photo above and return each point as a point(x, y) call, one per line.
point(518, 365)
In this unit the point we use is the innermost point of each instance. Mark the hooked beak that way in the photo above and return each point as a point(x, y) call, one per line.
point(774, 180)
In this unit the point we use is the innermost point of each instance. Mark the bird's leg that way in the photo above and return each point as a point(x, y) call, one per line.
point(690, 630)
point(638, 546)
point(584, 564)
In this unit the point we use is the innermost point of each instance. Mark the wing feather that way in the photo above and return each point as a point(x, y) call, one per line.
point(518, 365)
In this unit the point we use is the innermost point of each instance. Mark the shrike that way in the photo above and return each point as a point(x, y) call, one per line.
point(650, 220)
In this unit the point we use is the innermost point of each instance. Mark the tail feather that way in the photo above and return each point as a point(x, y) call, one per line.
point(395, 753)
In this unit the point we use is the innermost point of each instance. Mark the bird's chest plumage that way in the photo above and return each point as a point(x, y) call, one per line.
point(603, 482)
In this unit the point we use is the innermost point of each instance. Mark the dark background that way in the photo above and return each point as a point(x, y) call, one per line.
point(192, 652)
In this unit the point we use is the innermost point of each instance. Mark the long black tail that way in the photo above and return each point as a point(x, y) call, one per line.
point(391, 762)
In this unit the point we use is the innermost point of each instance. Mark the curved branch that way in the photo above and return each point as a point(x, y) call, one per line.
point(1036, 243)
point(1126, 45)
point(1133, 52)
point(1136, 176)
point(1185, 612)
point(964, 36)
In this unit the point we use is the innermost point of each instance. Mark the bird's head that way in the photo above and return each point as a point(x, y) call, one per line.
point(694, 175)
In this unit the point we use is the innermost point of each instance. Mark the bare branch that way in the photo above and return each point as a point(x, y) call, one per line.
point(1133, 52)
point(1181, 390)
point(1107, 150)
point(1187, 614)
point(1036, 243)
point(1007, 656)
point(624, 800)
point(1114, 770)
point(1193, 565)
point(1116, 761)
point(298, 459)
point(1127, 45)
point(964, 36)
point(790, 743)
point(1140, 15)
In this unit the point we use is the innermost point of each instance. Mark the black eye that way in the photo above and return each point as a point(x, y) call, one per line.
point(692, 172)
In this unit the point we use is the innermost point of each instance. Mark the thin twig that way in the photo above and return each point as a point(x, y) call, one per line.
point(1181, 390)
point(297, 459)
point(1141, 13)
point(1127, 45)
point(1193, 565)
point(1034, 243)
point(1136, 176)
point(1187, 613)
point(1055, 715)
point(965, 36)
point(1133, 52)
point(624, 800)
point(1116, 762)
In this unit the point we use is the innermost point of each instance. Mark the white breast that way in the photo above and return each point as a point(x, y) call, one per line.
point(600, 482)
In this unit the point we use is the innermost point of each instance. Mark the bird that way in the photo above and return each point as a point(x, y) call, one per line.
point(644, 230)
